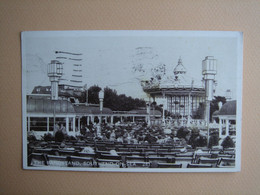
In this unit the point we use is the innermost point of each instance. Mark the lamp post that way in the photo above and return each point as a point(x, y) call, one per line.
point(54, 71)
point(101, 98)
point(148, 110)
point(209, 70)
point(163, 106)
point(182, 122)
point(176, 103)
point(153, 105)
point(86, 91)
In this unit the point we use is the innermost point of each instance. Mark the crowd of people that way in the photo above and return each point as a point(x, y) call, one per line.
point(136, 133)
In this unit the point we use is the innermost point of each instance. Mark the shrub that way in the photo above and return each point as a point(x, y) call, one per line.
point(31, 138)
point(83, 131)
point(182, 132)
point(213, 140)
point(48, 137)
point(59, 136)
point(197, 141)
point(228, 143)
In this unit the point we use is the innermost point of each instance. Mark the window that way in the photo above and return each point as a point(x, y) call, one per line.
point(70, 124)
point(58, 120)
point(38, 124)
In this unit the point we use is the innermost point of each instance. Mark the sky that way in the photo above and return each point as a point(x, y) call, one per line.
point(109, 57)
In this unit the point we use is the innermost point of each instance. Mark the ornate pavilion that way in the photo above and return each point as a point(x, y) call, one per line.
point(182, 95)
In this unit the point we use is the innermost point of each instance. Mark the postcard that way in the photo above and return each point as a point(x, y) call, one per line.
point(132, 101)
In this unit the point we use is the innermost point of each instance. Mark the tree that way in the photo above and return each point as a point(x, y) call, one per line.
point(59, 136)
point(213, 140)
point(182, 132)
point(199, 114)
point(112, 100)
point(228, 143)
point(197, 140)
point(93, 94)
point(214, 104)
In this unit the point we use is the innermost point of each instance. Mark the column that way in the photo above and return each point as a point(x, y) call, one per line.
point(227, 127)
point(87, 120)
point(100, 119)
point(74, 125)
point(48, 125)
point(121, 119)
point(220, 128)
point(164, 101)
point(105, 119)
point(29, 123)
point(112, 120)
point(67, 124)
point(133, 119)
point(78, 125)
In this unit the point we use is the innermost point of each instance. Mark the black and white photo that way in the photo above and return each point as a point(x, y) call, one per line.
point(132, 101)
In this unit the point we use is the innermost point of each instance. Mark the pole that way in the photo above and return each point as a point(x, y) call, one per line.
point(207, 119)
point(54, 114)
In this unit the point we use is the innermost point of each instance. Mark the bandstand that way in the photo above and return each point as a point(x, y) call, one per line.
point(182, 96)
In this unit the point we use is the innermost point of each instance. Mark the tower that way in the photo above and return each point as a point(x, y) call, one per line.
point(209, 70)
point(179, 69)
point(55, 69)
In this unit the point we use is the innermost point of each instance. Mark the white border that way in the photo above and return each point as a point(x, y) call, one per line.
point(153, 33)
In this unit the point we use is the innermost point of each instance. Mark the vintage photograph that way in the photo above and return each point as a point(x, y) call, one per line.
point(132, 101)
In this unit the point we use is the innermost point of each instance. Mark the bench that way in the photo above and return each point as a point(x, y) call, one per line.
point(167, 154)
point(227, 162)
point(135, 158)
point(160, 159)
point(183, 160)
point(43, 150)
point(85, 154)
point(66, 152)
point(184, 155)
point(199, 166)
point(169, 165)
point(213, 161)
point(109, 156)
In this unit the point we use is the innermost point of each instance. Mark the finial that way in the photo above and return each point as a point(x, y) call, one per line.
point(180, 60)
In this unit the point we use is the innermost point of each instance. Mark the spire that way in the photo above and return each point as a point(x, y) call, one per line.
point(180, 61)
point(179, 69)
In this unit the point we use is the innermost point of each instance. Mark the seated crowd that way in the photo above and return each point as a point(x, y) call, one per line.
point(128, 145)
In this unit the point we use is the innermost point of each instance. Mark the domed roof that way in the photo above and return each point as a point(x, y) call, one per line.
point(179, 69)
point(44, 105)
point(229, 108)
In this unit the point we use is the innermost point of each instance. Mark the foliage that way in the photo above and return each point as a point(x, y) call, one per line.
point(31, 138)
point(182, 132)
point(59, 136)
point(48, 137)
point(197, 140)
point(214, 104)
point(213, 140)
point(199, 114)
point(112, 100)
point(228, 143)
